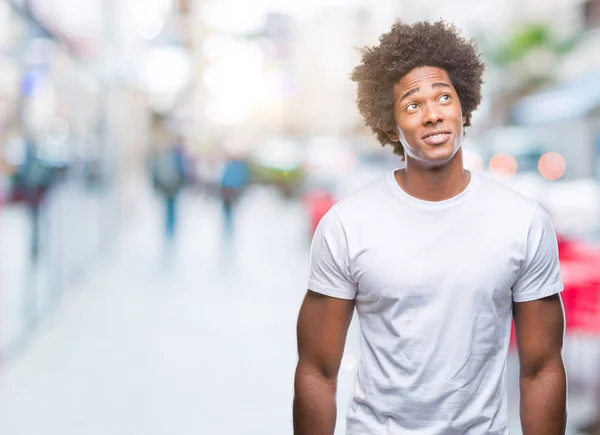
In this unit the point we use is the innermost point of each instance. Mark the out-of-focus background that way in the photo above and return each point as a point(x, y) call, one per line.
point(164, 164)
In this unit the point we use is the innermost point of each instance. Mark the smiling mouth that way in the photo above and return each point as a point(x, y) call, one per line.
point(436, 134)
point(438, 138)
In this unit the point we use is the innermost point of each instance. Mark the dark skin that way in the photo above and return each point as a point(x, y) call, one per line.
point(539, 327)
point(427, 102)
point(322, 329)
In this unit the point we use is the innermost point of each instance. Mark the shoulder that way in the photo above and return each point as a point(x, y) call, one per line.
point(506, 201)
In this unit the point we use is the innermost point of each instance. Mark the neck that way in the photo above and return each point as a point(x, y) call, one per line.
point(434, 183)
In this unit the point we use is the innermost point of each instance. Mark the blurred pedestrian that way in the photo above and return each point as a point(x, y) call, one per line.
point(32, 181)
point(317, 202)
point(234, 180)
point(168, 177)
point(436, 259)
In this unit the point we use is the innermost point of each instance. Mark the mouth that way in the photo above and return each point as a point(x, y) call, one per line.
point(437, 137)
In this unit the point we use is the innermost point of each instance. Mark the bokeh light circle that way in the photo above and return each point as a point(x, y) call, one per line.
point(552, 166)
point(503, 164)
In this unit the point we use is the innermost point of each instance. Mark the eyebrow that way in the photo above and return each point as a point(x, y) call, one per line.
point(414, 90)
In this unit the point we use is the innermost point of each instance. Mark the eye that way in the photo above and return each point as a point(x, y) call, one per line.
point(445, 98)
point(412, 107)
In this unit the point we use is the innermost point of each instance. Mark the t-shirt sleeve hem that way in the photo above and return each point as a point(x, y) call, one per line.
point(533, 296)
point(333, 292)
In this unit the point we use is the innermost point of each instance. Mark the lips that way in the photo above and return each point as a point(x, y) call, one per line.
point(436, 137)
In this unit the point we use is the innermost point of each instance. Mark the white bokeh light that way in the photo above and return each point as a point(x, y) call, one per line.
point(152, 30)
point(235, 81)
point(57, 131)
point(166, 70)
point(233, 15)
point(215, 46)
point(148, 16)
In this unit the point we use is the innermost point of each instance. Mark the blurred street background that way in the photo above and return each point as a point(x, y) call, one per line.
point(163, 165)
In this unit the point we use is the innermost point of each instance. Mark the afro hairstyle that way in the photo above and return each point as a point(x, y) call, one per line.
point(404, 48)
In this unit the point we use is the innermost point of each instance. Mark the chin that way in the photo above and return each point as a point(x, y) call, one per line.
point(442, 156)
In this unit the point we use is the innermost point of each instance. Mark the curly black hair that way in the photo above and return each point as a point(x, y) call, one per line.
point(404, 48)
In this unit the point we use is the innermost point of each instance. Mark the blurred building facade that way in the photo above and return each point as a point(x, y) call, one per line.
point(87, 78)
point(73, 88)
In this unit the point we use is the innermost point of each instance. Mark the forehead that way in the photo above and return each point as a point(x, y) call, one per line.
point(421, 77)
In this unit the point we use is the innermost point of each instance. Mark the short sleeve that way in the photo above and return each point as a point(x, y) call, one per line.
point(329, 270)
point(540, 273)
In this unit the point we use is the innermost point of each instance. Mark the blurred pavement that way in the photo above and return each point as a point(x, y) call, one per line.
point(204, 343)
point(71, 237)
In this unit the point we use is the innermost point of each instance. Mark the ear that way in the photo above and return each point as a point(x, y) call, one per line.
point(464, 119)
point(392, 135)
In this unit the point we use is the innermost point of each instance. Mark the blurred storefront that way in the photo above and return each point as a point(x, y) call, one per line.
point(85, 121)
point(567, 119)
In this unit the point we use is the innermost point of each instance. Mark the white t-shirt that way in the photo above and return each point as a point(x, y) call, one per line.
point(434, 284)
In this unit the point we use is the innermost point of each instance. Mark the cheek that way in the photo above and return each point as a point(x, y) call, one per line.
point(460, 115)
point(408, 138)
point(408, 124)
point(405, 132)
point(454, 115)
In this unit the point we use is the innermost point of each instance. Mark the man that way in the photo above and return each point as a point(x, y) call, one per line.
point(234, 180)
point(436, 260)
point(168, 178)
point(33, 180)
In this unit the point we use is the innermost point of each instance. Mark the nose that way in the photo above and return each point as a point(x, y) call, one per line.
point(432, 114)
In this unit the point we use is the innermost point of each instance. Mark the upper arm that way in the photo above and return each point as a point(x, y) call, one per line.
point(321, 331)
point(330, 271)
point(327, 309)
point(539, 328)
point(538, 310)
point(540, 269)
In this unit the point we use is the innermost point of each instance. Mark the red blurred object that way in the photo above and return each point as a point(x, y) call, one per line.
point(317, 203)
point(580, 270)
